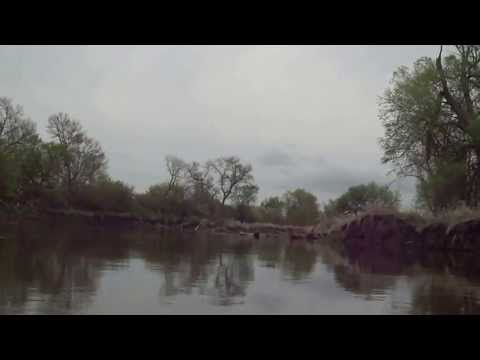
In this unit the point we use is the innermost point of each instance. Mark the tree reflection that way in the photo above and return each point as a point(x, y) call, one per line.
point(53, 270)
point(185, 263)
point(438, 283)
point(444, 295)
point(219, 268)
point(270, 251)
point(57, 269)
point(361, 283)
point(299, 259)
point(232, 276)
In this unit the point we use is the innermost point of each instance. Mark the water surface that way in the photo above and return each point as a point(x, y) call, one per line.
point(74, 269)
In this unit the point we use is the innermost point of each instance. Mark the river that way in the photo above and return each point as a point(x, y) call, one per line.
point(74, 269)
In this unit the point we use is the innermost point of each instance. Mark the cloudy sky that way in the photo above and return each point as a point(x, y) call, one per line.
point(303, 116)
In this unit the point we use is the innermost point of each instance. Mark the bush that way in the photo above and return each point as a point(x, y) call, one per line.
point(361, 197)
point(8, 178)
point(104, 195)
point(162, 200)
point(301, 208)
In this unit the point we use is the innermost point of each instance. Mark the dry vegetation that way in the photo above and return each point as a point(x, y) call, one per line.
point(418, 218)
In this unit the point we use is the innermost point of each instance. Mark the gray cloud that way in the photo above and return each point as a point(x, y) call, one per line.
point(289, 158)
point(276, 158)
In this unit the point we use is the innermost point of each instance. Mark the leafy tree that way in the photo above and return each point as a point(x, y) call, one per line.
point(84, 159)
point(358, 197)
point(301, 207)
point(440, 189)
point(244, 198)
point(8, 179)
point(17, 135)
point(159, 200)
point(15, 128)
point(70, 171)
point(431, 118)
point(272, 210)
point(245, 195)
point(104, 194)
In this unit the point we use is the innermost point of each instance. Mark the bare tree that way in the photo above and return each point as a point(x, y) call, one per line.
point(199, 180)
point(245, 195)
point(231, 174)
point(15, 128)
point(65, 130)
point(176, 167)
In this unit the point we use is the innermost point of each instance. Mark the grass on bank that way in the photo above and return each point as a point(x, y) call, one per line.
point(418, 218)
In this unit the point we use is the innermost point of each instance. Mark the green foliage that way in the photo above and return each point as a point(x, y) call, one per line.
point(272, 210)
point(245, 213)
point(165, 199)
point(245, 195)
point(440, 190)
point(16, 129)
point(8, 178)
point(411, 115)
point(17, 137)
point(84, 159)
point(357, 198)
point(104, 195)
point(39, 165)
point(301, 207)
point(432, 127)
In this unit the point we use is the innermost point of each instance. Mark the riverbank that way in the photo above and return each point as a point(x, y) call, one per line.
point(150, 223)
point(388, 230)
point(395, 231)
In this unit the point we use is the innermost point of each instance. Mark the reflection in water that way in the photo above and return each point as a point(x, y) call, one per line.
point(299, 259)
point(232, 276)
point(440, 295)
point(69, 268)
point(52, 273)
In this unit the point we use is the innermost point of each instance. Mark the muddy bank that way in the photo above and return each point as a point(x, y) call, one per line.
point(388, 232)
point(189, 224)
point(394, 234)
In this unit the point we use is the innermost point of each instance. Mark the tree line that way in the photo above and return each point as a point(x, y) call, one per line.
point(69, 171)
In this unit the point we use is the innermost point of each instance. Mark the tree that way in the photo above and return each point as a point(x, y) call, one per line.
point(8, 178)
point(357, 198)
point(104, 194)
point(301, 207)
point(231, 176)
point(157, 199)
point(39, 169)
point(199, 181)
point(84, 158)
point(200, 188)
point(17, 135)
point(176, 168)
point(245, 195)
point(15, 129)
point(244, 198)
point(431, 119)
point(272, 210)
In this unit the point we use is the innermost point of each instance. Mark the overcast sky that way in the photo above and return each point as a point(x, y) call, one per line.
point(303, 116)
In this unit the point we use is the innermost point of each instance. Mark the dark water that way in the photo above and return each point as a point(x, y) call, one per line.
point(53, 269)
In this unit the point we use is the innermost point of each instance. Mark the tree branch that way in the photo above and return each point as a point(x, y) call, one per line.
point(455, 106)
